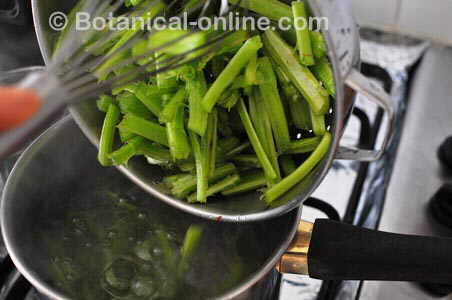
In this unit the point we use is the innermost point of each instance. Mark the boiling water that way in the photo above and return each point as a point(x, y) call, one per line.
point(120, 243)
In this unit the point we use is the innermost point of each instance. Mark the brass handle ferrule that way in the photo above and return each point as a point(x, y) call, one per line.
point(295, 260)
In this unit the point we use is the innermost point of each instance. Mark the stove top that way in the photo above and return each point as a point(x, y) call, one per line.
point(357, 193)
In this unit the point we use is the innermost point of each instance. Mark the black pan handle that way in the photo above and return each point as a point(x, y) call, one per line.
point(339, 251)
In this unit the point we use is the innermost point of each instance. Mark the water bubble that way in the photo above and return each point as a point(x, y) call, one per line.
point(157, 251)
point(112, 234)
point(88, 245)
point(141, 216)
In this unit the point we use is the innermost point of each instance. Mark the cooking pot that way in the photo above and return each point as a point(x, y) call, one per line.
point(343, 41)
point(57, 179)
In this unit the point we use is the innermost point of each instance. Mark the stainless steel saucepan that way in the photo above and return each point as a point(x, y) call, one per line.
point(59, 211)
point(343, 42)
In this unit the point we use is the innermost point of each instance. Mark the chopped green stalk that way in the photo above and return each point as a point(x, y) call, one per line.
point(155, 152)
point(299, 108)
point(273, 104)
point(288, 165)
point(324, 72)
point(262, 123)
point(126, 135)
point(301, 113)
point(217, 188)
point(149, 96)
point(230, 101)
point(248, 160)
point(319, 47)
point(239, 149)
point(249, 182)
point(209, 141)
point(300, 76)
point(189, 248)
point(254, 139)
point(232, 41)
point(145, 128)
point(240, 83)
point(202, 172)
point(272, 9)
point(232, 70)
point(165, 79)
point(108, 135)
point(141, 48)
point(304, 145)
point(171, 180)
point(104, 103)
point(153, 11)
point(318, 124)
point(130, 104)
point(301, 172)
point(126, 152)
point(185, 41)
point(169, 111)
point(185, 185)
point(251, 71)
point(197, 88)
point(177, 137)
point(303, 37)
point(229, 44)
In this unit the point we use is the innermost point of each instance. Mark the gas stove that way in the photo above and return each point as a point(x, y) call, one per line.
point(373, 195)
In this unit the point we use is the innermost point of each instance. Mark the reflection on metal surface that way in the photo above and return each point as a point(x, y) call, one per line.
point(295, 261)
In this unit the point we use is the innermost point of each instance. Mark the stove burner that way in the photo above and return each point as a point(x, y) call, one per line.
point(441, 206)
point(445, 152)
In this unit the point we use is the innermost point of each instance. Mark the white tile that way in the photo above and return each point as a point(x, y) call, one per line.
point(380, 14)
point(430, 19)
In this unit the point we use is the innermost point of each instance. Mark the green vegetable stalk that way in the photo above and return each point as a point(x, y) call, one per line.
point(197, 88)
point(254, 139)
point(319, 47)
point(202, 171)
point(108, 135)
point(318, 124)
point(273, 104)
point(218, 187)
point(126, 152)
point(262, 123)
point(169, 111)
point(301, 172)
point(232, 70)
point(249, 182)
point(301, 77)
point(305, 145)
point(303, 36)
point(177, 137)
point(145, 128)
point(324, 72)
point(189, 248)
